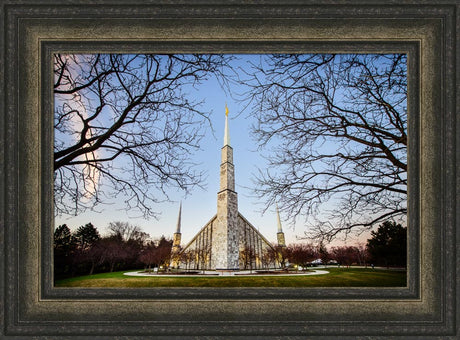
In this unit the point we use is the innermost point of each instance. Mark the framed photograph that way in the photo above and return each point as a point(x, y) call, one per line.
point(125, 130)
point(35, 32)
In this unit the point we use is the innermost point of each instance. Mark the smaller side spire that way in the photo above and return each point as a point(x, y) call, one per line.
point(177, 235)
point(280, 234)
point(179, 219)
point(176, 248)
point(280, 228)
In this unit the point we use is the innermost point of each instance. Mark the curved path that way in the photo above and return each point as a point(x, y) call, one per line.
point(216, 273)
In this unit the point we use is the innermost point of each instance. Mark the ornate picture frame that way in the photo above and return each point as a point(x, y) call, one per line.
point(32, 31)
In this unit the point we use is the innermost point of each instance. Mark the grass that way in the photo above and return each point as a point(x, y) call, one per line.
point(337, 277)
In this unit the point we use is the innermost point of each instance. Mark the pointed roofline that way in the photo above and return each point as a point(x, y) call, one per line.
point(256, 230)
point(199, 232)
point(214, 218)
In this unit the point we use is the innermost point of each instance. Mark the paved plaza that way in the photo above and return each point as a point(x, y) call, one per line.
point(229, 273)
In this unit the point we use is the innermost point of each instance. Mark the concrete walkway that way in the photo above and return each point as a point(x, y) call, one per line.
point(229, 273)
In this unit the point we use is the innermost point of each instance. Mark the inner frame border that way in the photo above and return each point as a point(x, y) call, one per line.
point(411, 48)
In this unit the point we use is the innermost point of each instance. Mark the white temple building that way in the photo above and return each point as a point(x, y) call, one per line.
point(228, 241)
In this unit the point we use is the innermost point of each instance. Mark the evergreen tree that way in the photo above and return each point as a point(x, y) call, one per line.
point(86, 236)
point(388, 245)
point(62, 237)
point(64, 248)
point(323, 254)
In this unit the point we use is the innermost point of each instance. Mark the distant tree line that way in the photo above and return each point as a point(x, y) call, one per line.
point(125, 247)
point(386, 247)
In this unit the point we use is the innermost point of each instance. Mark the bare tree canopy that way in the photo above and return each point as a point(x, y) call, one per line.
point(335, 131)
point(125, 127)
point(127, 232)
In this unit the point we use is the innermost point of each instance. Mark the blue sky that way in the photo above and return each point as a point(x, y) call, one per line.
point(200, 206)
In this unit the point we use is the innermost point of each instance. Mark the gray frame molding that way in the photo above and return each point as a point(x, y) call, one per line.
point(32, 30)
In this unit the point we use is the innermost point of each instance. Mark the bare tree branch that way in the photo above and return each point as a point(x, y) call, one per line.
point(124, 125)
point(333, 128)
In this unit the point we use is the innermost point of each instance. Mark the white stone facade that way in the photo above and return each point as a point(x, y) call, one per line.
point(203, 253)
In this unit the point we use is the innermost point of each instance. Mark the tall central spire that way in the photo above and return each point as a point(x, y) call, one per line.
point(225, 246)
point(227, 173)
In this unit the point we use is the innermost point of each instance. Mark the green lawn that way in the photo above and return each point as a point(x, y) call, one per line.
point(338, 277)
